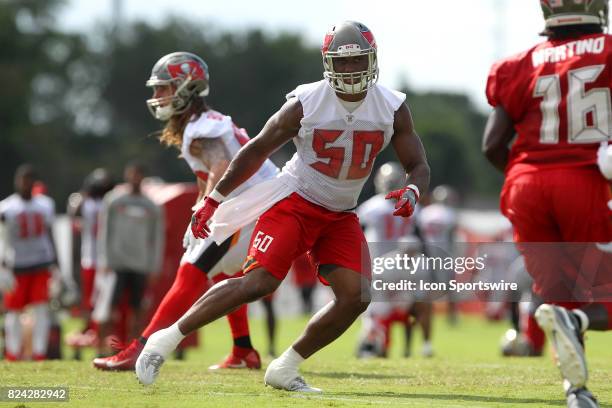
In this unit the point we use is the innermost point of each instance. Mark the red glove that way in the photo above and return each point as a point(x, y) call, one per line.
point(199, 229)
point(407, 198)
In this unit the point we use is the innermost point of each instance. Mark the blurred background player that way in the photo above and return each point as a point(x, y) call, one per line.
point(96, 185)
point(85, 213)
point(525, 338)
point(376, 213)
point(339, 125)
point(437, 226)
point(130, 243)
point(207, 141)
point(556, 98)
point(407, 307)
point(384, 232)
point(29, 255)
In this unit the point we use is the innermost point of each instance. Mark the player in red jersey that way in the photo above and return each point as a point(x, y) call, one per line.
point(339, 125)
point(207, 140)
point(556, 98)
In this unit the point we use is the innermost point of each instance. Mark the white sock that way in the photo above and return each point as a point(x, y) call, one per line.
point(40, 331)
point(583, 318)
point(12, 332)
point(165, 341)
point(290, 358)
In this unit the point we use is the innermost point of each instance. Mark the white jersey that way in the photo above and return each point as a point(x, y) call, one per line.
point(89, 231)
point(437, 223)
point(27, 224)
point(376, 215)
point(47, 202)
point(211, 125)
point(336, 149)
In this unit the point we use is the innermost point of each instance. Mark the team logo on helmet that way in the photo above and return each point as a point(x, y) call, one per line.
point(327, 41)
point(365, 31)
point(186, 68)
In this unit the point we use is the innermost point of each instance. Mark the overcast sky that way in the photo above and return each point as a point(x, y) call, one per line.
point(437, 45)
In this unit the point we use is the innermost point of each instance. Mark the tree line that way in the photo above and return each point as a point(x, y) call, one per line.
point(76, 101)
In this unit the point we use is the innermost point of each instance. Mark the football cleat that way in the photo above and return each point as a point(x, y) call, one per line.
point(514, 344)
point(39, 357)
point(581, 398)
point(147, 367)
point(287, 378)
point(11, 357)
point(159, 345)
point(250, 360)
point(427, 351)
point(562, 328)
point(125, 360)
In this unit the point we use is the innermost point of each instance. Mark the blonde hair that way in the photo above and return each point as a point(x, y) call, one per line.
point(172, 134)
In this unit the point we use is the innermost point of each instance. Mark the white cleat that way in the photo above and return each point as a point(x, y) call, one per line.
point(427, 350)
point(159, 345)
point(147, 367)
point(562, 329)
point(287, 378)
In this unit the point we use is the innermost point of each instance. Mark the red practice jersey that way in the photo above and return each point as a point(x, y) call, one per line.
point(558, 97)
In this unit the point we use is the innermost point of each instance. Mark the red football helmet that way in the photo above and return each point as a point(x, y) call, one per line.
point(349, 39)
point(188, 73)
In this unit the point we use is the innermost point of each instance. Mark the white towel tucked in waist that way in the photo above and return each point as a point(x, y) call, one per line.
point(247, 206)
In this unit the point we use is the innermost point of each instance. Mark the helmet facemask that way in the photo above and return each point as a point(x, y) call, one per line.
point(351, 82)
point(165, 107)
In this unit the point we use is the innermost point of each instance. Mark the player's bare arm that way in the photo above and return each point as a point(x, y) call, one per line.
point(214, 155)
point(498, 133)
point(280, 128)
point(409, 149)
point(201, 188)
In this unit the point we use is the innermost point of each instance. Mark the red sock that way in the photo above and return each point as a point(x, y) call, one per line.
point(239, 322)
point(238, 319)
point(534, 334)
point(190, 283)
point(386, 325)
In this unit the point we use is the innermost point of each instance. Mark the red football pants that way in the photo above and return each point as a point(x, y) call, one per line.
point(558, 216)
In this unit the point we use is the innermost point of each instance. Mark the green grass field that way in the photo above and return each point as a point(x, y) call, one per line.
point(467, 371)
